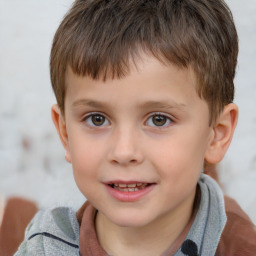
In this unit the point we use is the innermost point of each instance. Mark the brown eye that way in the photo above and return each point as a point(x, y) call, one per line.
point(98, 120)
point(159, 120)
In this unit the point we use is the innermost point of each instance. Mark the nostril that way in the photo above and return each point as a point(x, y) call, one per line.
point(125, 156)
point(133, 161)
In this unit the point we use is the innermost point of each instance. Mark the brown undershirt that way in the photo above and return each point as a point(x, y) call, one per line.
point(88, 241)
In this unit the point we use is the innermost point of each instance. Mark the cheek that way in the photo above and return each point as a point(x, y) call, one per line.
point(85, 164)
point(84, 149)
point(86, 158)
point(179, 156)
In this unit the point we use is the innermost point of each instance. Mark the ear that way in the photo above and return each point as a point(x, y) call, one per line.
point(222, 134)
point(60, 125)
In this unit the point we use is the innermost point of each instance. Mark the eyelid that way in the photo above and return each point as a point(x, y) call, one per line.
point(168, 116)
point(160, 114)
point(93, 113)
point(89, 114)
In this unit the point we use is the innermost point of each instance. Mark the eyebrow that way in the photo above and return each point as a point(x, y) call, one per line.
point(87, 102)
point(162, 104)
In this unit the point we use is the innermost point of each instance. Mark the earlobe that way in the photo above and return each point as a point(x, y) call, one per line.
point(223, 131)
point(60, 126)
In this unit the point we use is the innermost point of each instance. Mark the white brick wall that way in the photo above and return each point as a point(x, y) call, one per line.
point(31, 156)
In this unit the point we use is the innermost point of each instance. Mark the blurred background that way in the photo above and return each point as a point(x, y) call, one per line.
point(32, 163)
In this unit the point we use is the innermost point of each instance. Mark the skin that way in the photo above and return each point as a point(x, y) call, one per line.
point(129, 145)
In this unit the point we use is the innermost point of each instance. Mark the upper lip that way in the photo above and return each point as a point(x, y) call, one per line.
point(127, 182)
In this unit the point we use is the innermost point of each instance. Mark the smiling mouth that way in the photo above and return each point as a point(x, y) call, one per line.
point(129, 187)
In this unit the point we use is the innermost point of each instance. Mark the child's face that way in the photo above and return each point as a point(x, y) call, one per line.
point(148, 128)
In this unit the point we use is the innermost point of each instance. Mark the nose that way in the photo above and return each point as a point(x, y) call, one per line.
point(126, 148)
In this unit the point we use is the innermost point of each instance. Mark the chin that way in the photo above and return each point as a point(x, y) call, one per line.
point(129, 220)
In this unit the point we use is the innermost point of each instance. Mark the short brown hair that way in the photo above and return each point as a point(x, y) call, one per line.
point(97, 38)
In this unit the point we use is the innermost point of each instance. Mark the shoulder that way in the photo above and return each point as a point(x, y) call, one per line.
point(239, 234)
point(52, 232)
point(17, 213)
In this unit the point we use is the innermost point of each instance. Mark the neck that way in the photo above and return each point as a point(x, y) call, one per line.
point(152, 239)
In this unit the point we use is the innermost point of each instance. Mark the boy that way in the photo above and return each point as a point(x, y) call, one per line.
point(144, 92)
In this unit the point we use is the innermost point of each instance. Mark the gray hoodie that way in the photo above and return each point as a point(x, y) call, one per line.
point(56, 232)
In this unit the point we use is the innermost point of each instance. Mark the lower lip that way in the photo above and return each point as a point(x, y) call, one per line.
point(131, 196)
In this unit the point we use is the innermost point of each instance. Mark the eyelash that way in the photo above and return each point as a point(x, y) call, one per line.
point(167, 120)
point(94, 114)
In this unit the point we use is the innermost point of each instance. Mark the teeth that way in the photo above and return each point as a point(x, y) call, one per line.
point(133, 189)
point(134, 185)
point(129, 187)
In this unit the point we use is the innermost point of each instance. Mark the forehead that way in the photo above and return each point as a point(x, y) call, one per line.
point(148, 79)
point(143, 69)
